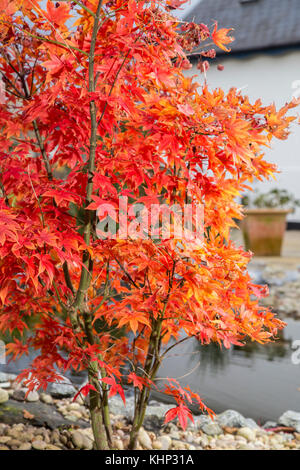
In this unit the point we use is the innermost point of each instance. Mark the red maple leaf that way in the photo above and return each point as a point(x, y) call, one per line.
point(182, 413)
point(85, 390)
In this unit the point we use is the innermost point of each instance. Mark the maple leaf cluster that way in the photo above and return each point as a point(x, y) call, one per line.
point(152, 134)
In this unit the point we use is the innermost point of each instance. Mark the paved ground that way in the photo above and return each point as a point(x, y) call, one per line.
point(290, 251)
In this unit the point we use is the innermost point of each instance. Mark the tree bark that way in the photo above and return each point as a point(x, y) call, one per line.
point(96, 411)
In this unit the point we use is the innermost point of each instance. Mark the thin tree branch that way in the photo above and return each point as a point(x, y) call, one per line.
point(84, 8)
point(175, 344)
point(126, 273)
point(85, 274)
point(68, 277)
point(112, 86)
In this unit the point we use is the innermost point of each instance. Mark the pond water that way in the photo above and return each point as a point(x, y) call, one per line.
point(260, 382)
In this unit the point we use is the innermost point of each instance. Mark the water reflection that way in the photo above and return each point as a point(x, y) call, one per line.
point(213, 357)
point(259, 381)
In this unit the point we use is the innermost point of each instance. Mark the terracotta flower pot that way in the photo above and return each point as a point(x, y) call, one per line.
point(263, 230)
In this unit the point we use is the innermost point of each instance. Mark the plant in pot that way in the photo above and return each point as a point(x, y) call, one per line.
point(264, 224)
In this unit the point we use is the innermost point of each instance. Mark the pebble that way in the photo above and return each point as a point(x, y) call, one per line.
point(25, 446)
point(4, 396)
point(39, 445)
point(290, 418)
point(71, 417)
point(212, 429)
point(81, 441)
point(247, 433)
point(165, 442)
point(229, 431)
point(156, 445)
point(77, 439)
point(5, 385)
point(19, 394)
point(118, 444)
point(46, 398)
point(52, 447)
point(62, 390)
point(144, 439)
point(5, 377)
point(32, 396)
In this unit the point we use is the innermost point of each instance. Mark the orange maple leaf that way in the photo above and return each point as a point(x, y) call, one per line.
point(219, 36)
point(58, 14)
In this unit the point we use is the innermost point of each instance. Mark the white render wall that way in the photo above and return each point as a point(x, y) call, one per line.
point(273, 78)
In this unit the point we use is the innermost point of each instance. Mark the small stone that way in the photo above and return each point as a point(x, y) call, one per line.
point(80, 400)
point(25, 446)
point(14, 443)
point(32, 396)
point(55, 437)
point(46, 398)
point(4, 377)
point(245, 447)
point(19, 427)
point(3, 396)
point(4, 448)
point(88, 432)
point(5, 385)
point(156, 445)
point(14, 433)
point(233, 419)
point(201, 420)
point(71, 418)
point(4, 439)
point(77, 414)
point(276, 440)
point(291, 445)
point(52, 447)
point(179, 445)
point(63, 440)
point(63, 389)
point(88, 443)
point(77, 439)
point(165, 441)
point(221, 444)
point(297, 436)
point(269, 424)
point(144, 439)
point(39, 445)
point(212, 429)
point(202, 440)
point(19, 394)
point(290, 419)
point(73, 406)
point(247, 433)
point(118, 444)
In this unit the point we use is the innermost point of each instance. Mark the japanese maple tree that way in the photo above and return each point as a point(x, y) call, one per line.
point(95, 106)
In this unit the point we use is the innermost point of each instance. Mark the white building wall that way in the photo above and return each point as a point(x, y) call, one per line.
point(273, 78)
